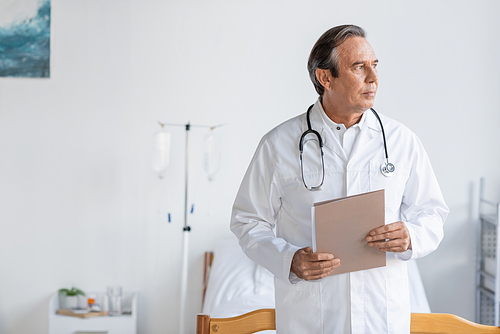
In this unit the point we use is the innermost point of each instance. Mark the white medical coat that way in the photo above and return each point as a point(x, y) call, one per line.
point(272, 219)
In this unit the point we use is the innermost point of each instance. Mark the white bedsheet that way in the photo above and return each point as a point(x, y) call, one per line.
point(238, 285)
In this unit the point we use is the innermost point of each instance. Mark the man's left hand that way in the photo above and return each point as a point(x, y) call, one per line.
point(390, 238)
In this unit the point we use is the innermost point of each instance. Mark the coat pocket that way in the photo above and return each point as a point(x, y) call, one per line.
point(298, 307)
point(394, 187)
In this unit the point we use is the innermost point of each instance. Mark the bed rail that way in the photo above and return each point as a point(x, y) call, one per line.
point(264, 319)
point(247, 323)
point(442, 323)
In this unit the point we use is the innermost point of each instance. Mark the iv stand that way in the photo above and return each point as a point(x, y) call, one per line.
point(185, 243)
point(186, 228)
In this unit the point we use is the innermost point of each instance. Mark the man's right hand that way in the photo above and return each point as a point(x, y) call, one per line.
point(311, 266)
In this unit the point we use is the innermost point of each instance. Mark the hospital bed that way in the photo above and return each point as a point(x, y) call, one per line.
point(238, 298)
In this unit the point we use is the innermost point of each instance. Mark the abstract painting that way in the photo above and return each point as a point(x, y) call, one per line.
point(25, 38)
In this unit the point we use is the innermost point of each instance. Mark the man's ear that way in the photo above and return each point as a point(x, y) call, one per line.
point(325, 78)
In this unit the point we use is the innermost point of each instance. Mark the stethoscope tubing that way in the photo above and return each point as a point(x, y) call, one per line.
point(301, 149)
point(383, 133)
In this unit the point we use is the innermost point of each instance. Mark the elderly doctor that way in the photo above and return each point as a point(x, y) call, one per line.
point(272, 211)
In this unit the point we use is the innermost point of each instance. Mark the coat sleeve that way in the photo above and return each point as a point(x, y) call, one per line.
point(255, 212)
point(422, 206)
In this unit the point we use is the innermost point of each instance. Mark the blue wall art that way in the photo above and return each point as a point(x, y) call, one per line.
point(25, 38)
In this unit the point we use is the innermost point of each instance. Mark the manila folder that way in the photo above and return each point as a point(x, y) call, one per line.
point(341, 226)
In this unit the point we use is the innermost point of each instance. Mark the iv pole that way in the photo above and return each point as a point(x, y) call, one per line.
point(185, 243)
point(186, 228)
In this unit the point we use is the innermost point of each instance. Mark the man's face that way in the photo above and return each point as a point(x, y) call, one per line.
point(355, 88)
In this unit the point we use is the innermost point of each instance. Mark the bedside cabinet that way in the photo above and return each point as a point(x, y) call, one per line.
point(124, 324)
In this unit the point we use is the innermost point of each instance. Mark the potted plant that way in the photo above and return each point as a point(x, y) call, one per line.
point(70, 297)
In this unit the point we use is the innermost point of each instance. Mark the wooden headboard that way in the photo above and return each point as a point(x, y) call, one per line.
point(207, 265)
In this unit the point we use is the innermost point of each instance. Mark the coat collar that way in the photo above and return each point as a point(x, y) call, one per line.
point(369, 125)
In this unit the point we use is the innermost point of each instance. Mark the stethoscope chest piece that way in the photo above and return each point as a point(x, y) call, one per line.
point(387, 169)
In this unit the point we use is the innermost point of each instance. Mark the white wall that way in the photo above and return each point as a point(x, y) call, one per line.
point(79, 201)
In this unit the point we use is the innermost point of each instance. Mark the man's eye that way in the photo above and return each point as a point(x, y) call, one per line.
point(359, 67)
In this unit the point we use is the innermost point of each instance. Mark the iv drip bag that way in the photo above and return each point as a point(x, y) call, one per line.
point(211, 155)
point(161, 152)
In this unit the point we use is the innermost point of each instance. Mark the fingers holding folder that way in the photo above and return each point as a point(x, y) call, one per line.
point(390, 238)
point(308, 265)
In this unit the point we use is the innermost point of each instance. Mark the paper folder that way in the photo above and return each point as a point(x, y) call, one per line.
point(340, 227)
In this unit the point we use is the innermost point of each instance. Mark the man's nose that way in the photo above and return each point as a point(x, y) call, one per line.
point(372, 75)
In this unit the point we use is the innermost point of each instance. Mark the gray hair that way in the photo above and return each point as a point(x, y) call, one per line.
point(324, 54)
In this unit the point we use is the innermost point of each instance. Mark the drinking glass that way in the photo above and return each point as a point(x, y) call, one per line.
point(115, 300)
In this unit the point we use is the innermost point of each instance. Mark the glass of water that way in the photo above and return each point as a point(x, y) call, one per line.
point(115, 300)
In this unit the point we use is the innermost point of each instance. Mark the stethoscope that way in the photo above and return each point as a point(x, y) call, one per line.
point(387, 169)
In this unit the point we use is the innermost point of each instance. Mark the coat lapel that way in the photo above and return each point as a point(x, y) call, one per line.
point(331, 142)
point(369, 131)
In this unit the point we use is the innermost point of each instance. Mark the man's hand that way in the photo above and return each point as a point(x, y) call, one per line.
point(397, 234)
point(311, 266)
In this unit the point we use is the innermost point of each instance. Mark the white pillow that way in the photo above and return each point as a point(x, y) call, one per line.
point(236, 285)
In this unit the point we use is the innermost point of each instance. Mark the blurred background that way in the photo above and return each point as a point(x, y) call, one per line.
point(80, 204)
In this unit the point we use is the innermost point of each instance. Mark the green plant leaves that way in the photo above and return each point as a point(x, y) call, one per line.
point(73, 292)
